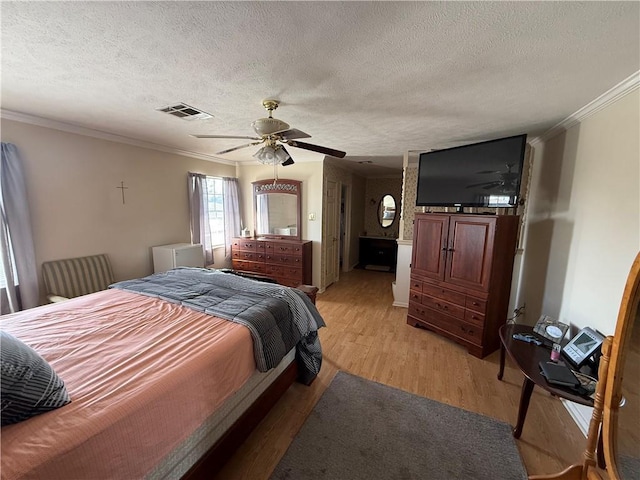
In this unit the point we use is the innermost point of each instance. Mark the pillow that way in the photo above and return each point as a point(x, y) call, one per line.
point(29, 385)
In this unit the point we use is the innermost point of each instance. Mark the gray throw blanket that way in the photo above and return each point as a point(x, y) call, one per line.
point(278, 317)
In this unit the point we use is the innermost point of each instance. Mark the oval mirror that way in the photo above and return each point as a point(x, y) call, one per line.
point(386, 211)
point(622, 395)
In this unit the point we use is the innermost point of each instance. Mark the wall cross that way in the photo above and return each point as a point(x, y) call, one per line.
point(123, 188)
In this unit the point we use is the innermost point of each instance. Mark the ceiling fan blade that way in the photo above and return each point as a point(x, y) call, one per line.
point(483, 172)
point(492, 185)
point(292, 133)
point(289, 160)
point(317, 148)
point(485, 184)
point(237, 148)
point(227, 136)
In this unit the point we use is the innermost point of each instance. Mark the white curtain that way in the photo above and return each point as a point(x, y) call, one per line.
point(199, 214)
point(232, 220)
point(18, 261)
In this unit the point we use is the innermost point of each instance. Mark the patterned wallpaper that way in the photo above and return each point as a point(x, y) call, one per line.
point(376, 188)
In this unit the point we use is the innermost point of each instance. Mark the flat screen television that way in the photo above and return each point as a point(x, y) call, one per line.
point(485, 174)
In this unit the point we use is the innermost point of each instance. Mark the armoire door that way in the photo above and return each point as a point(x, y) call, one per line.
point(469, 251)
point(428, 257)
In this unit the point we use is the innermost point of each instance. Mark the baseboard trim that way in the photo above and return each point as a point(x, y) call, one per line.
point(581, 414)
point(400, 304)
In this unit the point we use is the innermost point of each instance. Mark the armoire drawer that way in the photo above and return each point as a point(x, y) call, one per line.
point(455, 326)
point(476, 304)
point(444, 293)
point(442, 306)
point(474, 317)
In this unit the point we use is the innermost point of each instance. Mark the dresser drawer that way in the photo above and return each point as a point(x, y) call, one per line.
point(415, 285)
point(476, 304)
point(245, 244)
point(278, 259)
point(287, 282)
point(443, 293)
point(292, 273)
point(244, 255)
point(442, 306)
point(274, 248)
point(247, 266)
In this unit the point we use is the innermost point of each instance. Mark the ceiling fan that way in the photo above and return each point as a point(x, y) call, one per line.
point(275, 134)
point(506, 179)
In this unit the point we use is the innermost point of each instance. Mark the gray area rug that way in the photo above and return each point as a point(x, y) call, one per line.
point(361, 429)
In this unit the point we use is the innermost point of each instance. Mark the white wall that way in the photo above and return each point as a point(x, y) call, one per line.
point(310, 174)
point(76, 207)
point(583, 228)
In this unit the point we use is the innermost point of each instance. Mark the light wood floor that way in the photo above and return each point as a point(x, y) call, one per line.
point(367, 336)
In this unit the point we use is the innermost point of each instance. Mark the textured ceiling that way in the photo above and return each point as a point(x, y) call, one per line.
point(374, 79)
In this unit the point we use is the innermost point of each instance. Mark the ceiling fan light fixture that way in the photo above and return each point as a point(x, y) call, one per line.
point(270, 155)
point(269, 126)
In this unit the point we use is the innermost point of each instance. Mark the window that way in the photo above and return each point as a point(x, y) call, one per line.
point(214, 200)
point(3, 280)
point(500, 200)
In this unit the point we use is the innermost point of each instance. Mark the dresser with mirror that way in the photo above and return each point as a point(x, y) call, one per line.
point(277, 250)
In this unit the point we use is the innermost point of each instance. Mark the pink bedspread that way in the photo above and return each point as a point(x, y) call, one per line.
point(142, 375)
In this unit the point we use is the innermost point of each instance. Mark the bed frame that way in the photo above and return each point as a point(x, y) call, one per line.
point(217, 456)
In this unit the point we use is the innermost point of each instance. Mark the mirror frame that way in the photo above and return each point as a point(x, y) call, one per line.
point(378, 211)
point(613, 389)
point(280, 185)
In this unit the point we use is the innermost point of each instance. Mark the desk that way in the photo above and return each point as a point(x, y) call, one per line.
point(527, 356)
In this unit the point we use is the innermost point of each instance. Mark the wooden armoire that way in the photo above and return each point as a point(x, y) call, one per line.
point(461, 269)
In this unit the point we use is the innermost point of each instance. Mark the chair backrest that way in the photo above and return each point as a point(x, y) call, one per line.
point(72, 277)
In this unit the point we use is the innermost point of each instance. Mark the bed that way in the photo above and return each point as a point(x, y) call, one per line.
point(157, 377)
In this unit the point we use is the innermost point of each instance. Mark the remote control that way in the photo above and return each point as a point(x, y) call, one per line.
point(527, 338)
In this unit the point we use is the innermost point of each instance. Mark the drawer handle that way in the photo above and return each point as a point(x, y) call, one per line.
point(476, 304)
point(442, 307)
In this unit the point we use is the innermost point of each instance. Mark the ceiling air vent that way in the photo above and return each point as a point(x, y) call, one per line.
point(185, 112)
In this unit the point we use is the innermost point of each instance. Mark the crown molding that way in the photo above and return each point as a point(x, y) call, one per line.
point(628, 85)
point(89, 132)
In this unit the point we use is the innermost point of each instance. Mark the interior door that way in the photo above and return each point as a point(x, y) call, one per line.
point(469, 250)
point(429, 245)
point(332, 259)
